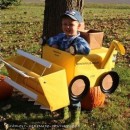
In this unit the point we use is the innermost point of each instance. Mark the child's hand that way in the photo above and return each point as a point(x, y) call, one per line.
point(42, 41)
point(67, 50)
point(72, 50)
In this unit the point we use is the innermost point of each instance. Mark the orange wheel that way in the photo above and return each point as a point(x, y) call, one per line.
point(94, 98)
point(5, 89)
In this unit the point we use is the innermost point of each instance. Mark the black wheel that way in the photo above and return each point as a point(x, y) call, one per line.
point(78, 88)
point(109, 82)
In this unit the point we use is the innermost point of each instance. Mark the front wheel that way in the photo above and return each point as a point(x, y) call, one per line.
point(109, 82)
point(78, 88)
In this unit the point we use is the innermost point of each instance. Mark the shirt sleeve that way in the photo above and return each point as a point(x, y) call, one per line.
point(55, 39)
point(81, 46)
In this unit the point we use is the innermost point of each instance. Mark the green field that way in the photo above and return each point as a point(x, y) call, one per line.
point(21, 28)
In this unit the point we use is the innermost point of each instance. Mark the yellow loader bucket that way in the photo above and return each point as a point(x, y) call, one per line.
point(40, 80)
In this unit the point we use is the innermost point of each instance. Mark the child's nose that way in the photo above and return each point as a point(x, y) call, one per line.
point(67, 26)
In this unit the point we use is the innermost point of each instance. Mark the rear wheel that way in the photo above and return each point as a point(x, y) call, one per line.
point(78, 88)
point(109, 82)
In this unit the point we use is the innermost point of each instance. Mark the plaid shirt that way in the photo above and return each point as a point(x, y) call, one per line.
point(63, 43)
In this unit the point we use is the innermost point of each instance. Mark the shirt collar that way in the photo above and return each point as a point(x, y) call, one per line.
point(70, 39)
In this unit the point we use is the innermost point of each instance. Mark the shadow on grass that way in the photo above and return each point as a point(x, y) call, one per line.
point(24, 115)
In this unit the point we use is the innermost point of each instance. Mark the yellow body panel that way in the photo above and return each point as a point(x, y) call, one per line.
point(88, 65)
point(51, 87)
point(61, 58)
point(47, 82)
point(55, 89)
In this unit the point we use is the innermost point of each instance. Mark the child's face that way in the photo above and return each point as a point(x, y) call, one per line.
point(70, 27)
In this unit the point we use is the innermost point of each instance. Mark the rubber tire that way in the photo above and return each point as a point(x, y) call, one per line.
point(115, 82)
point(77, 98)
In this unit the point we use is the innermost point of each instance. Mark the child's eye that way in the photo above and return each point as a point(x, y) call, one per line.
point(65, 24)
point(72, 24)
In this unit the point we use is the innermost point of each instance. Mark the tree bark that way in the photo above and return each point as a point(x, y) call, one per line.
point(52, 21)
point(75, 4)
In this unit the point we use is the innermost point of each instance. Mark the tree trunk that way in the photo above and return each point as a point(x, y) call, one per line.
point(52, 22)
point(75, 4)
point(53, 10)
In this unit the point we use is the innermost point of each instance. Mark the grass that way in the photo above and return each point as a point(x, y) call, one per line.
point(21, 28)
